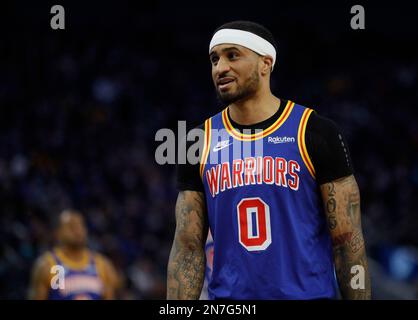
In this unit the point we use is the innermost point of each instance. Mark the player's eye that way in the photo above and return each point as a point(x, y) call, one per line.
point(232, 55)
point(214, 59)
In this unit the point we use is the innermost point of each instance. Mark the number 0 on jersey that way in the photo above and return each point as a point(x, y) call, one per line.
point(254, 229)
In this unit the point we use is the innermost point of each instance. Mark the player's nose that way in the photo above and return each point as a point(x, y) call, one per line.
point(222, 66)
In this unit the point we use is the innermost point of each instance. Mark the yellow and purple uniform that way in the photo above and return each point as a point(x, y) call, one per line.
point(81, 280)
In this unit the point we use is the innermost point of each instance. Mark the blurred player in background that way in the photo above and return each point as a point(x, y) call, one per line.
point(88, 275)
point(281, 219)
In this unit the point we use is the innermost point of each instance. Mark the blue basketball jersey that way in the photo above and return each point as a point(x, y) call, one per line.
point(265, 212)
point(79, 283)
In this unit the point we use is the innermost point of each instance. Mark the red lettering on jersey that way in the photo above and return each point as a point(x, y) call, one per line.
point(237, 165)
point(281, 170)
point(268, 169)
point(225, 176)
point(249, 170)
point(212, 177)
point(293, 167)
point(260, 170)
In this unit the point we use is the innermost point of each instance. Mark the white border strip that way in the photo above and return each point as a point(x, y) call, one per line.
point(245, 39)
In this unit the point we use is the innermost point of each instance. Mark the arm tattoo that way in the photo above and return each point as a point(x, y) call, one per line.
point(331, 205)
point(342, 208)
point(186, 264)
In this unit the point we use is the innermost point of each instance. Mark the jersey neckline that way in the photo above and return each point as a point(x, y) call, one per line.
point(233, 129)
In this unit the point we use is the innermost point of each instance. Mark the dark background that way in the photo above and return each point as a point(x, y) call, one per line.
point(79, 109)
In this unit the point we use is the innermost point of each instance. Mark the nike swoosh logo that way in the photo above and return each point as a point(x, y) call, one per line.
point(217, 148)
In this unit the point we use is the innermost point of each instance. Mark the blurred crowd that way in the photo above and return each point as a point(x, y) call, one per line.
point(79, 112)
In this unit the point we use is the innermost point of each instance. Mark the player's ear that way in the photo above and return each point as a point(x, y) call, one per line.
point(266, 63)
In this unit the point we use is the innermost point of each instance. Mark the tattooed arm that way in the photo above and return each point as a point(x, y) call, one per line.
point(342, 207)
point(186, 265)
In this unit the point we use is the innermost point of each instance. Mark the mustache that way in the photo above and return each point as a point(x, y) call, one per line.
point(225, 75)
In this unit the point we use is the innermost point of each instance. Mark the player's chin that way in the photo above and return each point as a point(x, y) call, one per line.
point(79, 243)
point(227, 98)
point(226, 93)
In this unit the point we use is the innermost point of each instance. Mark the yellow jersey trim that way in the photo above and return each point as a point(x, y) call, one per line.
point(206, 146)
point(259, 135)
point(302, 143)
point(76, 265)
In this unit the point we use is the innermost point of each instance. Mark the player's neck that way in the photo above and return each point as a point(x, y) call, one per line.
point(254, 110)
point(73, 253)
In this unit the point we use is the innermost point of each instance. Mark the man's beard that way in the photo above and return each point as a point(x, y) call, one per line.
point(243, 92)
point(77, 244)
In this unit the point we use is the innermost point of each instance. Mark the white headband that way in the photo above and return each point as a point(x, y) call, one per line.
point(245, 39)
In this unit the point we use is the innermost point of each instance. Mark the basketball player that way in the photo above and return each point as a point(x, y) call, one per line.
point(281, 220)
point(87, 275)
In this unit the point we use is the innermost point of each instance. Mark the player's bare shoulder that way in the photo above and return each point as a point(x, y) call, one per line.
point(41, 277)
point(43, 264)
point(112, 279)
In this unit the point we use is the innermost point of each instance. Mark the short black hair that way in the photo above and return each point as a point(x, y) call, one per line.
point(252, 27)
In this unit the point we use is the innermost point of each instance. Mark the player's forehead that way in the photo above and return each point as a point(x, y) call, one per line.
point(225, 47)
point(71, 217)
